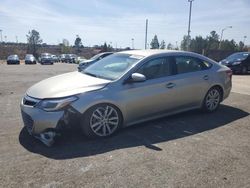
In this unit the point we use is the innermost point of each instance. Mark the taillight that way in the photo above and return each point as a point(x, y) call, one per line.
point(229, 73)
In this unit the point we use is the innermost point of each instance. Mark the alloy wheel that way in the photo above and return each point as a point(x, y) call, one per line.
point(212, 99)
point(104, 120)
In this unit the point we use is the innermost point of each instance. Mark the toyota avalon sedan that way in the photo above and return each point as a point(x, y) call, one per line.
point(124, 89)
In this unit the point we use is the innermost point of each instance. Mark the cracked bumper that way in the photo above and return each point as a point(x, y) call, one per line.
point(37, 121)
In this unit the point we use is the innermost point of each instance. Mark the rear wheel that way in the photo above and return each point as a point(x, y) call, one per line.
point(212, 99)
point(101, 120)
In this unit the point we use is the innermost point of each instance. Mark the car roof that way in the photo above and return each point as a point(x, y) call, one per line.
point(148, 52)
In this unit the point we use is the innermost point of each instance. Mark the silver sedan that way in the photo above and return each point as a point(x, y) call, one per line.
point(124, 89)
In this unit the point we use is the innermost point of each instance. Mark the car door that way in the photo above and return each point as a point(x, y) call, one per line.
point(193, 79)
point(153, 96)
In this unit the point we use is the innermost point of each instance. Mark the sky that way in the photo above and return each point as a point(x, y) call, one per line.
point(117, 22)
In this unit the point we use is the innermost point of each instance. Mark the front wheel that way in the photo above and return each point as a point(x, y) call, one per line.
point(212, 100)
point(101, 120)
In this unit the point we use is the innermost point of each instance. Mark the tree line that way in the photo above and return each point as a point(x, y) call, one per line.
point(198, 44)
point(34, 40)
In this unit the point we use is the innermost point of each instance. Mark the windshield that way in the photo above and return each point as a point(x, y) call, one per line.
point(95, 57)
point(13, 57)
point(237, 56)
point(29, 56)
point(113, 66)
point(46, 56)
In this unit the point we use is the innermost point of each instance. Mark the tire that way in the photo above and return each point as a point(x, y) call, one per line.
point(101, 120)
point(212, 100)
point(244, 70)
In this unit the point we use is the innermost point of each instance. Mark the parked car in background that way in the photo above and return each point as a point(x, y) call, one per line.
point(30, 59)
point(85, 63)
point(62, 58)
point(124, 89)
point(70, 58)
point(238, 62)
point(13, 59)
point(46, 59)
point(80, 59)
point(55, 58)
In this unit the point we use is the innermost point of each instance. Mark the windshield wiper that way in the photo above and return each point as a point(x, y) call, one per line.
point(90, 74)
point(97, 76)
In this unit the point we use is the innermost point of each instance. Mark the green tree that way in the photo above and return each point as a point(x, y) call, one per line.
point(227, 45)
point(33, 40)
point(241, 46)
point(162, 45)
point(78, 43)
point(213, 41)
point(155, 43)
point(198, 44)
point(184, 43)
point(105, 47)
point(170, 46)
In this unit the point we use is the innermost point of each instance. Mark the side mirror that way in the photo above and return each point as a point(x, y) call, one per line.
point(137, 77)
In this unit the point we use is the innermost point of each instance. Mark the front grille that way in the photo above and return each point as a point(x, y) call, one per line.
point(28, 122)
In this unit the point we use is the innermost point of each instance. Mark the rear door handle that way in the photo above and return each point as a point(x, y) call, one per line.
point(170, 85)
point(205, 77)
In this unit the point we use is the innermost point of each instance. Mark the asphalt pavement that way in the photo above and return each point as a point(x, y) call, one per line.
point(191, 149)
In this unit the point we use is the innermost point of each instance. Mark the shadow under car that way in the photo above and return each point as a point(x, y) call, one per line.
point(73, 144)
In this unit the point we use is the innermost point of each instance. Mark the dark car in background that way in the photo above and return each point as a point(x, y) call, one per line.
point(30, 59)
point(46, 59)
point(70, 58)
point(84, 64)
point(55, 58)
point(13, 59)
point(238, 62)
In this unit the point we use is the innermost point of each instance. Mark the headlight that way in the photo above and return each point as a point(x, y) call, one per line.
point(236, 63)
point(55, 104)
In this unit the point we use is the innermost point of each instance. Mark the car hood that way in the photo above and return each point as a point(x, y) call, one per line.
point(65, 85)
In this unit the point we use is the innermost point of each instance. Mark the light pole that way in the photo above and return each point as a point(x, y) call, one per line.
point(1, 35)
point(221, 36)
point(132, 43)
point(146, 34)
point(189, 23)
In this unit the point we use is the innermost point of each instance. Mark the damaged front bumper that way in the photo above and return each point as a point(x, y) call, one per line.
point(44, 125)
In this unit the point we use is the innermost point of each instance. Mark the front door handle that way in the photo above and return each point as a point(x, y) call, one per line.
point(170, 85)
point(205, 77)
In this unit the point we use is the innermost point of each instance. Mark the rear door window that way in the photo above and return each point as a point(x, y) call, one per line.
point(185, 64)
